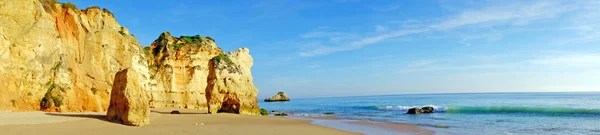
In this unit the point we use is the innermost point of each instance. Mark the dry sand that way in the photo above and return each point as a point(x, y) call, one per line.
point(189, 122)
point(162, 123)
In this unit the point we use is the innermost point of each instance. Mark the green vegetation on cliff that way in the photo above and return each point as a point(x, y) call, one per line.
point(50, 99)
point(69, 5)
point(223, 57)
point(228, 64)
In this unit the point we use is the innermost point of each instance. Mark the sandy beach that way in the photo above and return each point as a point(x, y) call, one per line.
point(162, 122)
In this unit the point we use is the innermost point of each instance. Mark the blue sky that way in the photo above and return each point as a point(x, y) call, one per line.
point(318, 48)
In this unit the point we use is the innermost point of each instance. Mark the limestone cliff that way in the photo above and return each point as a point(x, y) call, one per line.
point(192, 72)
point(230, 87)
point(55, 57)
point(179, 69)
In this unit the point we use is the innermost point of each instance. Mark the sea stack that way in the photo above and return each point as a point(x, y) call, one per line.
point(280, 97)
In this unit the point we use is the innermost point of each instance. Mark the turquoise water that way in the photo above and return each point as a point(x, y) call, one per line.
point(481, 113)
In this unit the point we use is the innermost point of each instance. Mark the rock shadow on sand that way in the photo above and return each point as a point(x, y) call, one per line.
point(89, 116)
point(179, 112)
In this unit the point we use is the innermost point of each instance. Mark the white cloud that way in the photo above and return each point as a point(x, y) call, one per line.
point(509, 14)
point(323, 50)
point(518, 13)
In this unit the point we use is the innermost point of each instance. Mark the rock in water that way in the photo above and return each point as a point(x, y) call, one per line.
point(427, 109)
point(129, 100)
point(414, 111)
point(230, 87)
point(281, 96)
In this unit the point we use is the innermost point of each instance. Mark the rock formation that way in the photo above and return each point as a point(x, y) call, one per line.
point(55, 57)
point(192, 72)
point(230, 87)
point(129, 99)
point(426, 109)
point(179, 70)
point(280, 97)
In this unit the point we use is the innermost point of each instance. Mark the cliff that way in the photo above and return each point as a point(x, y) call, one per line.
point(192, 72)
point(179, 70)
point(55, 57)
point(230, 87)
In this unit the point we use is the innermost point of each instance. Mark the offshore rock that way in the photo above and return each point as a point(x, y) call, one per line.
point(280, 97)
point(426, 109)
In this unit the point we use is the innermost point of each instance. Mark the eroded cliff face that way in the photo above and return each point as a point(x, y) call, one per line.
point(230, 87)
point(55, 57)
point(179, 69)
point(192, 72)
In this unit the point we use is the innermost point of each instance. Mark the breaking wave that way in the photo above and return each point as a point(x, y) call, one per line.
point(494, 109)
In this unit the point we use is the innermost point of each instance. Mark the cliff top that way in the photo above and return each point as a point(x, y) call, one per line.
point(51, 6)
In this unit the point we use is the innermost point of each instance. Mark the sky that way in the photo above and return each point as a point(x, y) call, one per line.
point(320, 48)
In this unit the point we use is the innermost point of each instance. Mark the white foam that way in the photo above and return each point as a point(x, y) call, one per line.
point(405, 108)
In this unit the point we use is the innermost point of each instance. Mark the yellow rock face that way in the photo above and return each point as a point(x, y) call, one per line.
point(179, 71)
point(45, 45)
point(230, 87)
point(184, 75)
point(54, 57)
point(129, 99)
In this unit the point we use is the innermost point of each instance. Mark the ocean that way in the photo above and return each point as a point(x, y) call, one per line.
point(465, 113)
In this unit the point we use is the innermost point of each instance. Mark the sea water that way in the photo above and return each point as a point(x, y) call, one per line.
point(474, 113)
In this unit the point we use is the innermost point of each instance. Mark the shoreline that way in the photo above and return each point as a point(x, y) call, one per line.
point(367, 127)
point(189, 122)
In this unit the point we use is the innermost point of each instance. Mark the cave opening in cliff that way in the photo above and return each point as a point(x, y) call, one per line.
point(230, 106)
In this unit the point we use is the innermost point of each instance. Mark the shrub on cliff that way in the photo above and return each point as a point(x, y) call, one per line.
point(223, 57)
point(264, 112)
point(197, 39)
point(70, 6)
point(51, 99)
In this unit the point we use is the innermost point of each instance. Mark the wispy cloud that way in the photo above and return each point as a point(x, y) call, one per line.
point(516, 13)
point(547, 60)
point(323, 50)
point(511, 14)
